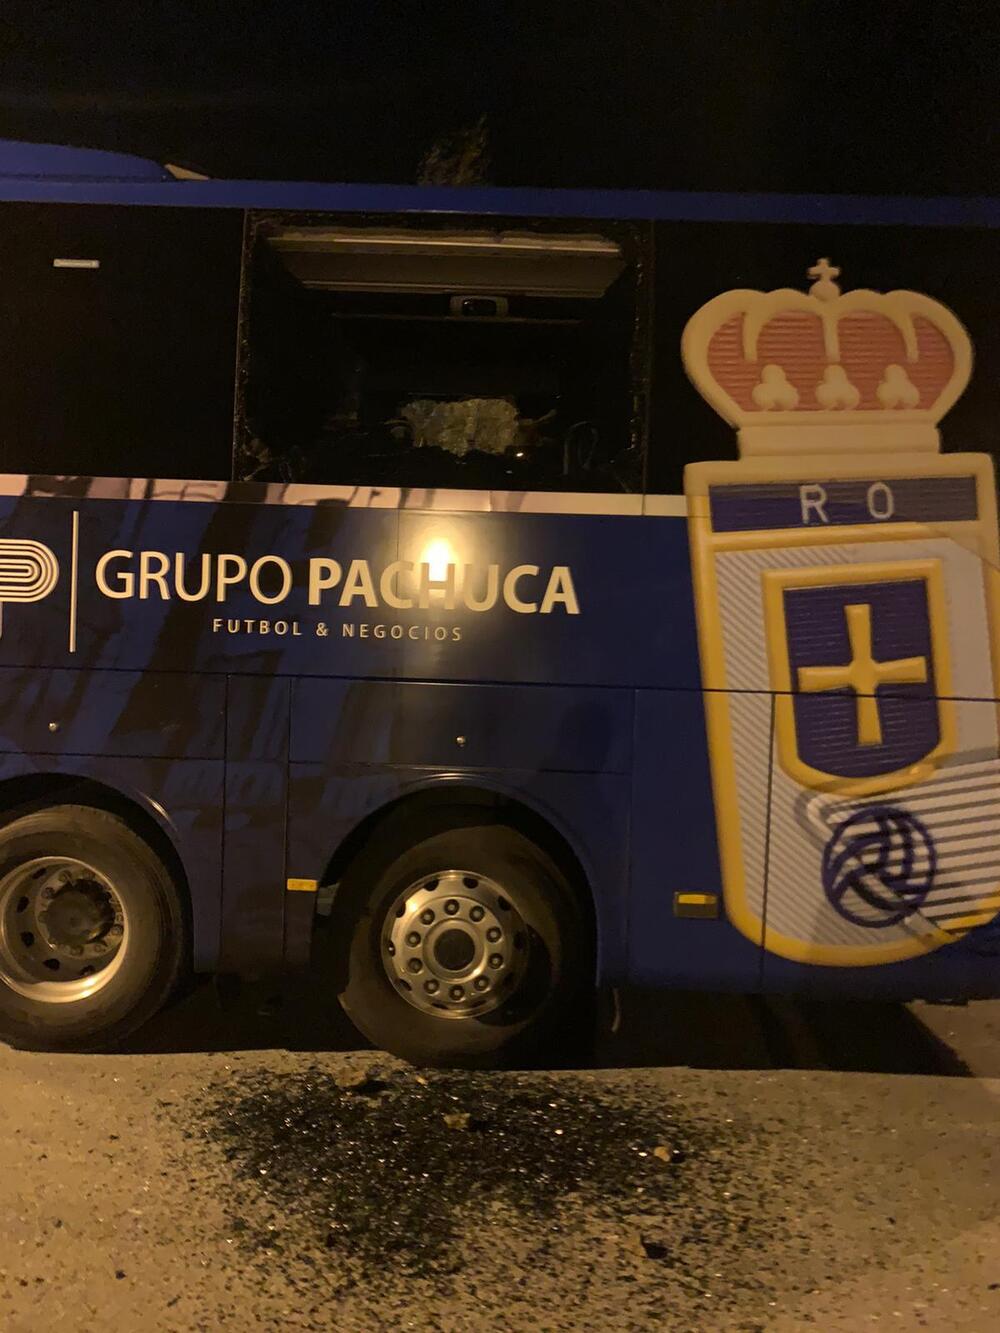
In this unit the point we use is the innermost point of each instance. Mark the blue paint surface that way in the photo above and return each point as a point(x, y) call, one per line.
point(42, 172)
point(259, 752)
point(323, 729)
point(673, 849)
point(549, 729)
point(633, 623)
point(41, 161)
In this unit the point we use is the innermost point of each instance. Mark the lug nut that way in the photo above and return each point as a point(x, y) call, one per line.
point(476, 914)
point(457, 993)
point(496, 960)
point(451, 907)
point(431, 986)
point(480, 983)
point(415, 965)
point(493, 934)
point(413, 939)
point(427, 916)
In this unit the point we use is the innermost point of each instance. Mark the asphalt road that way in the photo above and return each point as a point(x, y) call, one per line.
point(724, 1164)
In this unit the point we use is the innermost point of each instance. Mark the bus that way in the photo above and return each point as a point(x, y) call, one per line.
point(491, 595)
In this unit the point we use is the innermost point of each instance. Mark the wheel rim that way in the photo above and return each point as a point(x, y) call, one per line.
point(63, 930)
point(455, 945)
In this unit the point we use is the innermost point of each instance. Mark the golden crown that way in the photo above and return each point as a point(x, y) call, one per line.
point(790, 358)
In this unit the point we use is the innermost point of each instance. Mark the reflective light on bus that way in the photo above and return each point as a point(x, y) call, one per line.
point(438, 554)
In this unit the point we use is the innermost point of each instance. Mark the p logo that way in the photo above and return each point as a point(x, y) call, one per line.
point(28, 572)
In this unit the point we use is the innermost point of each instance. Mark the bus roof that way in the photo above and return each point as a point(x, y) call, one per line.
point(50, 162)
point(53, 173)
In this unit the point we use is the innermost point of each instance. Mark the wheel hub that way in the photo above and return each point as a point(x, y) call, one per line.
point(78, 914)
point(454, 950)
point(454, 944)
point(63, 930)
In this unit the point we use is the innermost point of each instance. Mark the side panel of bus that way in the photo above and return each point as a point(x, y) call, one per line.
point(586, 708)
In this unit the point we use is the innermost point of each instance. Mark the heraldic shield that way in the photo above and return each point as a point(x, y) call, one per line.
point(858, 658)
point(847, 584)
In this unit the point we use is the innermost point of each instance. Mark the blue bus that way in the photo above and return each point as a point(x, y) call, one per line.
point(500, 592)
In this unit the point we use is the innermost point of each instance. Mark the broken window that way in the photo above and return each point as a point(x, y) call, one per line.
point(442, 355)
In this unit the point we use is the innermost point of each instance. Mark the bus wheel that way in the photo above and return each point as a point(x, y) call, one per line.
point(467, 948)
point(91, 930)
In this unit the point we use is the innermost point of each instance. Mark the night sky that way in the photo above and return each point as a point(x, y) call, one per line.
point(721, 94)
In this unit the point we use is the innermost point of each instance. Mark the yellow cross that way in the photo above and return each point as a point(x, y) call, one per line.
point(823, 270)
point(863, 674)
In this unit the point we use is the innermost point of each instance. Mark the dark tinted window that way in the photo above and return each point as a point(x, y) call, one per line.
point(120, 340)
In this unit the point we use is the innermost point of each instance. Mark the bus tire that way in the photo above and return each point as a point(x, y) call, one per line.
point(92, 933)
point(465, 948)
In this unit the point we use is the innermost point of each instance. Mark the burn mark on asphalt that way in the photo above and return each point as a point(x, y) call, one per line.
point(399, 1173)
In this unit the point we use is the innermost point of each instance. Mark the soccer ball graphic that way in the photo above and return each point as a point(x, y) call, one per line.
point(878, 866)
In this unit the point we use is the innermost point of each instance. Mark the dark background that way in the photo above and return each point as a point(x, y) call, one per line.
point(719, 94)
point(734, 95)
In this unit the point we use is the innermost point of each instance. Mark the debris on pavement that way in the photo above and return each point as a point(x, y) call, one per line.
point(395, 1185)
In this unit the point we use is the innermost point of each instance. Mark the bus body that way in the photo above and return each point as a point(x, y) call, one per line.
point(520, 714)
